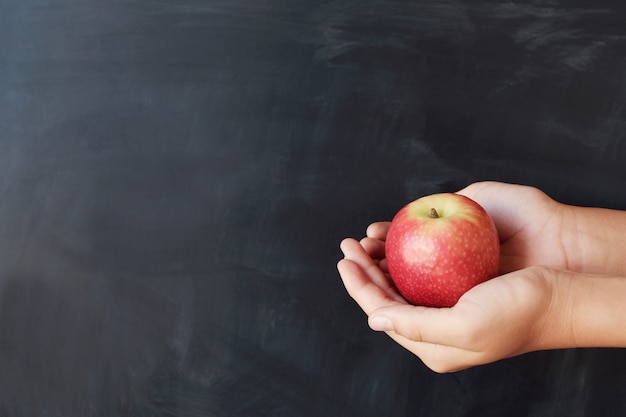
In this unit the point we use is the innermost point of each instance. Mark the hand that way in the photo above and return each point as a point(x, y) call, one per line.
point(503, 317)
point(530, 224)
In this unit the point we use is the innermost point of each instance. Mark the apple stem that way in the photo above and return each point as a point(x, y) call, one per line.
point(432, 213)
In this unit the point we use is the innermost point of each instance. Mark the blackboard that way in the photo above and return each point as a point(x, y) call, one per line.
point(176, 176)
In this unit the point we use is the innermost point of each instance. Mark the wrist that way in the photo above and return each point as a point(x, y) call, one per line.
point(586, 310)
point(597, 313)
point(552, 329)
point(594, 240)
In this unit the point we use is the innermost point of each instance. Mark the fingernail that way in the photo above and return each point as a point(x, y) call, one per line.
point(381, 324)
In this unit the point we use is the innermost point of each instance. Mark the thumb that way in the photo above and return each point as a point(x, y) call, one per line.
point(419, 324)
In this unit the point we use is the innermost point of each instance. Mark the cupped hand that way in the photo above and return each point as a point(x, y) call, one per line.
point(503, 317)
point(530, 224)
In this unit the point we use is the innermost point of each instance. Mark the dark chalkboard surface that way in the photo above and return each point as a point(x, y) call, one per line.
point(176, 176)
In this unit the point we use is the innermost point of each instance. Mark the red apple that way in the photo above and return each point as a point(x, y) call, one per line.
point(440, 246)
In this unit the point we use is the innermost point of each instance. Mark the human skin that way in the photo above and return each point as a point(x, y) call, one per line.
point(561, 286)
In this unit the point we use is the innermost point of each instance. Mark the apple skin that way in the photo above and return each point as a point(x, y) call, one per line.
point(434, 261)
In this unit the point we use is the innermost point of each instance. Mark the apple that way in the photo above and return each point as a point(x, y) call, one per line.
point(439, 246)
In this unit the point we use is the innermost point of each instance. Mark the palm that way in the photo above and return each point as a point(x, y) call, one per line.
point(532, 245)
point(529, 224)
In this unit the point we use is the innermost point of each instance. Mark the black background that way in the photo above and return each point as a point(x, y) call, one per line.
point(176, 176)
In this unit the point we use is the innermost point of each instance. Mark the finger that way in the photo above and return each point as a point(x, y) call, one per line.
point(438, 357)
point(374, 247)
point(378, 230)
point(368, 295)
point(356, 253)
point(439, 326)
point(383, 266)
